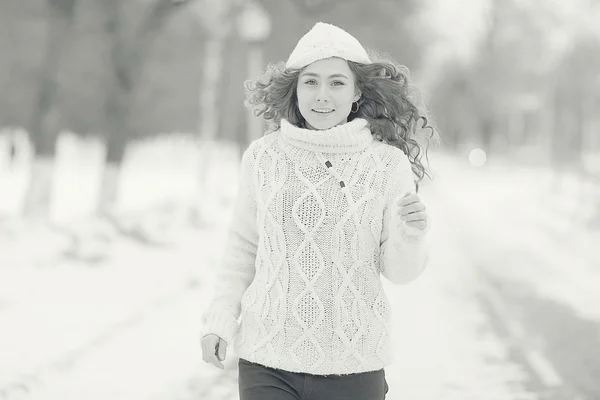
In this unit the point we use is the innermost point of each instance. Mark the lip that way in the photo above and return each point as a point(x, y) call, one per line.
point(323, 111)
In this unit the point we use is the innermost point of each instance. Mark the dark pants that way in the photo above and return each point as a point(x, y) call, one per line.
point(257, 382)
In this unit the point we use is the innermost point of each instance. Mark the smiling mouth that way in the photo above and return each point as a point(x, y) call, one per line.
point(324, 111)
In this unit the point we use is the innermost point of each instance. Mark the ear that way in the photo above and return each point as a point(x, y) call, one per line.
point(357, 95)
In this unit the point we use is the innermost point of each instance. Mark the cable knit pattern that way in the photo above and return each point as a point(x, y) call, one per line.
point(312, 232)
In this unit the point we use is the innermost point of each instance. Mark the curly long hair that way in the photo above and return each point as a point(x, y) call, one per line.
point(389, 102)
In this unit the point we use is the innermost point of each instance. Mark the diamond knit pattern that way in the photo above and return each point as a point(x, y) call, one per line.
point(312, 231)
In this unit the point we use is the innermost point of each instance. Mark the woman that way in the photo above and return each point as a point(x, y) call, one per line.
point(327, 203)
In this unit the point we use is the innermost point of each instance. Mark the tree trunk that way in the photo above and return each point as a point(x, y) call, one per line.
point(126, 64)
point(231, 95)
point(208, 121)
point(218, 26)
point(43, 124)
point(487, 133)
point(558, 147)
point(577, 138)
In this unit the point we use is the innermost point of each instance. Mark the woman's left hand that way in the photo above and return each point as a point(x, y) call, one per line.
point(412, 211)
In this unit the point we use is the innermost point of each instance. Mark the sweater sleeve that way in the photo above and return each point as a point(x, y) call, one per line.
point(236, 270)
point(403, 249)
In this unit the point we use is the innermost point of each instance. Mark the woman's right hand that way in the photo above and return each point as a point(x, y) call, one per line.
point(214, 350)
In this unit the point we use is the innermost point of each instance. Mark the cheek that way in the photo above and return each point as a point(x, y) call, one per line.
point(302, 97)
point(345, 98)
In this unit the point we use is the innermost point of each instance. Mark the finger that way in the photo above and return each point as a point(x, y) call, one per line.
point(206, 353)
point(222, 350)
point(417, 216)
point(407, 196)
point(409, 199)
point(209, 350)
point(417, 224)
point(216, 362)
point(412, 208)
point(212, 359)
point(410, 212)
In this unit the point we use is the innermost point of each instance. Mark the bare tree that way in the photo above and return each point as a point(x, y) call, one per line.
point(576, 82)
point(125, 63)
point(43, 124)
point(216, 18)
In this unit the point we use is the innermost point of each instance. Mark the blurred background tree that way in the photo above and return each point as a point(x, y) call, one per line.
point(576, 100)
point(127, 57)
point(42, 125)
point(124, 71)
point(489, 100)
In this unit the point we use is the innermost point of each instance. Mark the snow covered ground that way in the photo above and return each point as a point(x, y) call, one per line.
point(529, 208)
point(125, 325)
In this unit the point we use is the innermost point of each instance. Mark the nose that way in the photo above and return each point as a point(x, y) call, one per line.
point(322, 94)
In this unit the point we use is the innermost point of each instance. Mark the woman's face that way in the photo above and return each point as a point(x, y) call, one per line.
point(326, 91)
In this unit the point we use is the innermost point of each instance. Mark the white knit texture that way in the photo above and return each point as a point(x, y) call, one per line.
point(326, 41)
point(302, 266)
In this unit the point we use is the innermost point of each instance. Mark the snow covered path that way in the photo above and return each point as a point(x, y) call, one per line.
point(129, 329)
point(120, 330)
point(538, 264)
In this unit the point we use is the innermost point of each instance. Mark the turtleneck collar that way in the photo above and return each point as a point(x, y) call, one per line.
point(349, 137)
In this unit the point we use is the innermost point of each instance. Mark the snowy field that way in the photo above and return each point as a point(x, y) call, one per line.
point(59, 308)
point(533, 200)
point(122, 322)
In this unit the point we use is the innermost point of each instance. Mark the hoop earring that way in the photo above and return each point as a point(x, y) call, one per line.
point(352, 110)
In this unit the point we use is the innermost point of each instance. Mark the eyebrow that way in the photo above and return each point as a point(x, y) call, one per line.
point(330, 76)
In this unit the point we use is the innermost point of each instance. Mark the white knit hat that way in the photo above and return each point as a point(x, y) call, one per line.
point(325, 41)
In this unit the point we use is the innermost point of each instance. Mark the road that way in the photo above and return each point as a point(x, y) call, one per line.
point(538, 284)
point(506, 310)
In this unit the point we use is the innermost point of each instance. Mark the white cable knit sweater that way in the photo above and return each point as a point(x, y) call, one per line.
point(312, 231)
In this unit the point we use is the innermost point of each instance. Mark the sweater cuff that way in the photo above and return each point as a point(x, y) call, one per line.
point(221, 324)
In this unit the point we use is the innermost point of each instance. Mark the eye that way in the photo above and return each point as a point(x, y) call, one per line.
point(338, 83)
point(310, 82)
